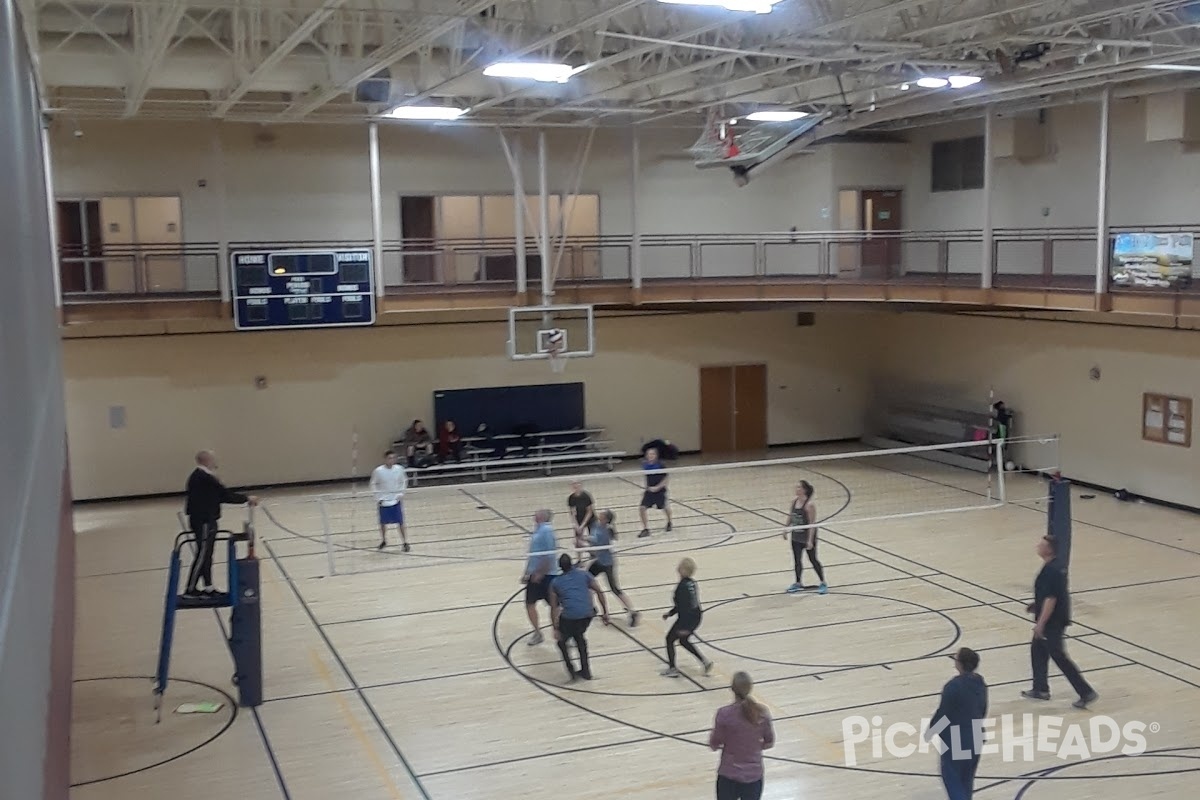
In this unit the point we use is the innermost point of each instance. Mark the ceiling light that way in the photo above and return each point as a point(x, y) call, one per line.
point(1174, 67)
point(904, 87)
point(933, 83)
point(442, 113)
point(776, 116)
point(533, 70)
point(963, 81)
point(752, 6)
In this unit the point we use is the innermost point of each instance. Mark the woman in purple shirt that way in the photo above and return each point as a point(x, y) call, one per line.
point(741, 731)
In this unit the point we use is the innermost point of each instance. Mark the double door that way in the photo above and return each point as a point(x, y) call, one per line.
point(733, 408)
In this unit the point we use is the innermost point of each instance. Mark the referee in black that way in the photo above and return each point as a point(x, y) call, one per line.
point(1051, 608)
point(205, 496)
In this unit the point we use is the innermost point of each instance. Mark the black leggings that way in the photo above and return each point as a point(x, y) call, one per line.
point(728, 789)
point(206, 541)
point(569, 629)
point(675, 634)
point(609, 572)
point(798, 551)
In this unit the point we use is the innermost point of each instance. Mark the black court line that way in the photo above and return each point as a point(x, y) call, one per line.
point(641, 588)
point(387, 735)
point(1022, 505)
point(258, 723)
point(230, 704)
point(1023, 617)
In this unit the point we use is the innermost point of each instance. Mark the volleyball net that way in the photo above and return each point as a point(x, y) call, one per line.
point(711, 505)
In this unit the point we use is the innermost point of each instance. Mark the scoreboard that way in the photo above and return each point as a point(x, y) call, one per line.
point(302, 288)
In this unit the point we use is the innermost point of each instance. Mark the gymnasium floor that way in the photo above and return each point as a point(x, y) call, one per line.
point(391, 683)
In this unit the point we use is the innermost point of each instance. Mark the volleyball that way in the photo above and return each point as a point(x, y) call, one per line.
point(556, 337)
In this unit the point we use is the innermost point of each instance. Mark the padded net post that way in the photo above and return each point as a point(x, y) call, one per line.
point(1058, 519)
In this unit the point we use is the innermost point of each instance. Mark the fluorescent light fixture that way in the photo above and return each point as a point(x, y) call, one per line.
point(933, 83)
point(776, 116)
point(435, 113)
point(963, 81)
point(904, 87)
point(1174, 67)
point(533, 71)
point(751, 6)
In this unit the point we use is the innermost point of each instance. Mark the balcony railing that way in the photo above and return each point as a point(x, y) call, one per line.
point(1060, 259)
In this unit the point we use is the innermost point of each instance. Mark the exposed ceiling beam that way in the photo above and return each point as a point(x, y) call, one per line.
point(150, 52)
point(412, 40)
point(545, 41)
point(303, 32)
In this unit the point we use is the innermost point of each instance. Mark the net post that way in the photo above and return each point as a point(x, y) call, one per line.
point(1001, 483)
point(328, 536)
point(1058, 519)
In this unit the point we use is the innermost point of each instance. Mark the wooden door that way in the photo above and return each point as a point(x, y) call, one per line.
point(750, 407)
point(716, 409)
point(881, 214)
point(418, 229)
point(733, 408)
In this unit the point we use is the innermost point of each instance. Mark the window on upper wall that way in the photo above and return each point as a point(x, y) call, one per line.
point(493, 216)
point(103, 241)
point(958, 164)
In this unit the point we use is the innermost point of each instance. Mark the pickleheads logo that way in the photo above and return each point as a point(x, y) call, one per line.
point(1011, 737)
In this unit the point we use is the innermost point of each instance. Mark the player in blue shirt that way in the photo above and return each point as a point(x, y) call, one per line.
point(605, 561)
point(571, 611)
point(655, 495)
point(540, 569)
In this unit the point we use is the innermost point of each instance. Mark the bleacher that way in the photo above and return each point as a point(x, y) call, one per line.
point(511, 453)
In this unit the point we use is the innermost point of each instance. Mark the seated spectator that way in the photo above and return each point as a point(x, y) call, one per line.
point(527, 434)
point(449, 442)
point(666, 450)
point(418, 445)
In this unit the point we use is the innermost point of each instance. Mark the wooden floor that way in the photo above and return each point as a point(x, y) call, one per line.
point(419, 683)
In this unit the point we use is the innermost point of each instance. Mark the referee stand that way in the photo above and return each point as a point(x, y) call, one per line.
point(245, 620)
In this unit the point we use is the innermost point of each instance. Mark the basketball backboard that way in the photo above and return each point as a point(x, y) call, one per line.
point(546, 332)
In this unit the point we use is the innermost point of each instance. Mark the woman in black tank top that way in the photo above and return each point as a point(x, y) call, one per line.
point(804, 539)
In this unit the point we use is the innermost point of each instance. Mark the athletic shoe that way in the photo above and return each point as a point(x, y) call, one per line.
point(708, 668)
point(670, 672)
point(796, 587)
point(406, 548)
point(633, 619)
point(382, 545)
point(645, 532)
point(587, 676)
point(537, 638)
point(1086, 701)
point(669, 528)
point(822, 589)
point(1035, 695)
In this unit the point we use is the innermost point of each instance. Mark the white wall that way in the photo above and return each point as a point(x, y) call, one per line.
point(183, 393)
point(295, 183)
point(1041, 370)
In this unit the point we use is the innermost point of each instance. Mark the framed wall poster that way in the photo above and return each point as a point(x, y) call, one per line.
point(1167, 419)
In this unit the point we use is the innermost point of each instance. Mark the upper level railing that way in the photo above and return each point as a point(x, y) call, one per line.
point(1046, 258)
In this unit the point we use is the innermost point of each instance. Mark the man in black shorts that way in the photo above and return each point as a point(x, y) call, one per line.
point(540, 569)
point(583, 514)
point(655, 495)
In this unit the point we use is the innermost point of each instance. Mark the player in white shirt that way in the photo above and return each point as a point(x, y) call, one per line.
point(388, 482)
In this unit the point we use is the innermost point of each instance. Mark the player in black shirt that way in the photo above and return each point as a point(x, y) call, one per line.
point(688, 613)
point(1051, 608)
point(583, 514)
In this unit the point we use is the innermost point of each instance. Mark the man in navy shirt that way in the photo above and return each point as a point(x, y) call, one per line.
point(655, 495)
point(571, 611)
point(1051, 608)
point(958, 722)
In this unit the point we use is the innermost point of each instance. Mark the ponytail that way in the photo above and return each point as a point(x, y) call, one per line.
point(752, 710)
